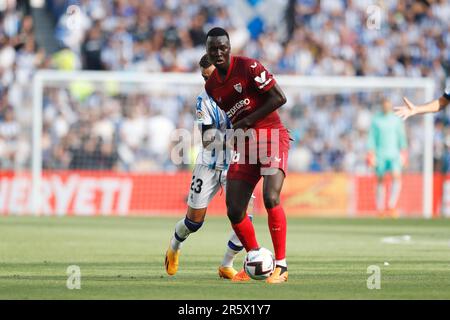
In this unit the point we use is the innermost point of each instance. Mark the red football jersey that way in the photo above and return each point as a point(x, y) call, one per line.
point(241, 92)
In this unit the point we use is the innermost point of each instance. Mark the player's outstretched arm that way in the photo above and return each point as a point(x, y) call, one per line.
point(409, 109)
point(275, 98)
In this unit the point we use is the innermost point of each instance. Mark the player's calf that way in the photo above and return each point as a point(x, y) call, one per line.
point(183, 229)
point(246, 233)
point(276, 215)
point(234, 246)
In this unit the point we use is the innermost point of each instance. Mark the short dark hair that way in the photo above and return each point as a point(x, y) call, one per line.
point(204, 62)
point(217, 32)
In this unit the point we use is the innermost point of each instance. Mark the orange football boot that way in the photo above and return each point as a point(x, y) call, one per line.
point(279, 275)
point(227, 272)
point(241, 276)
point(171, 261)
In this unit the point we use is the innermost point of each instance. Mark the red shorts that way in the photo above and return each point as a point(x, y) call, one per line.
point(267, 150)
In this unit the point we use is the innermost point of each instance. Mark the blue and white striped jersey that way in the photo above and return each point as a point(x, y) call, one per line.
point(208, 113)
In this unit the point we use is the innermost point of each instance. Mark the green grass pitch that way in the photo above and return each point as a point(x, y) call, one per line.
point(123, 258)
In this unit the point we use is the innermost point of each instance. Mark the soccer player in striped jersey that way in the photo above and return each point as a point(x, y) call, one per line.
point(209, 175)
point(410, 109)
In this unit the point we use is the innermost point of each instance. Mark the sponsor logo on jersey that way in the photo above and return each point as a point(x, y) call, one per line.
point(238, 87)
point(243, 103)
point(262, 80)
point(253, 66)
point(200, 115)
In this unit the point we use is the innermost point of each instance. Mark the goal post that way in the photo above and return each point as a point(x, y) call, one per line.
point(178, 81)
point(374, 83)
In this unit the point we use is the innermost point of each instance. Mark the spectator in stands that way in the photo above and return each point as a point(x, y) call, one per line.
point(92, 49)
point(9, 134)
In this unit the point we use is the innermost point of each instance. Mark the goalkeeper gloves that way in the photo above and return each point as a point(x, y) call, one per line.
point(404, 158)
point(370, 158)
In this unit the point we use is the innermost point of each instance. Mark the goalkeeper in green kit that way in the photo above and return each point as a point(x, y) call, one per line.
point(387, 147)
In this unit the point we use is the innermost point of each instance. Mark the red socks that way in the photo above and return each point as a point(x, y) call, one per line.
point(246, 233)
point(277, 228)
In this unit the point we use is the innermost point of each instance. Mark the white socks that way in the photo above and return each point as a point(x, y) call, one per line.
point(183, 229)
point(281, 263)
point(234, 246)
point(181, 233)
point(380, 196)
point(393, 196)
point(395, 193)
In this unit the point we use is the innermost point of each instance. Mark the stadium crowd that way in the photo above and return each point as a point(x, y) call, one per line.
point(88, 129)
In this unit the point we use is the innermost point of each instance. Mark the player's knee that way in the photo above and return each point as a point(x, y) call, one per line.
point(235, 213)
point(235, 217)
point(271, 199)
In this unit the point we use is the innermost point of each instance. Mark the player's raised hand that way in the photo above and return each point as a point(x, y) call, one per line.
point(404, 112)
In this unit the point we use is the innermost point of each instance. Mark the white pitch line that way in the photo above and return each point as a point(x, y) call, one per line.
point(405, 239)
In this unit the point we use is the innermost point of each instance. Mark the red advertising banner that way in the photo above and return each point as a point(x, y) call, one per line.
point(410, 202)
point(325, 194)
point(109, 193)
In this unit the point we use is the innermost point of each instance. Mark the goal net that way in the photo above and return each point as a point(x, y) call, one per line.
point(115, 143)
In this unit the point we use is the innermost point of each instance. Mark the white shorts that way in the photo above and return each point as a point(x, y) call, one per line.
point(204, 185)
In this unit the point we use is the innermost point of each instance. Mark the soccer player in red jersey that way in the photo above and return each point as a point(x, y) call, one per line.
point(250, 96)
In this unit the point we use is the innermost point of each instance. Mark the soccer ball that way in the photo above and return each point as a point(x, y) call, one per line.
point(259, 263)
